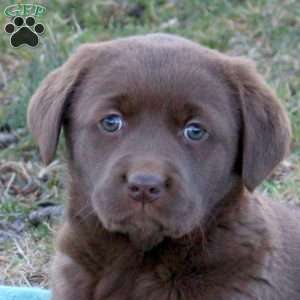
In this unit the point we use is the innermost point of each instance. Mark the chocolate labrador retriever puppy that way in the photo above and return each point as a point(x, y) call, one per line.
point(166, 141)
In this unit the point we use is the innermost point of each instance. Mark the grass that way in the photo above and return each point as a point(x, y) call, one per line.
point(268, 31)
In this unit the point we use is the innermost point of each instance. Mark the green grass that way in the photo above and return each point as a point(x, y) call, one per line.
point(267, 31)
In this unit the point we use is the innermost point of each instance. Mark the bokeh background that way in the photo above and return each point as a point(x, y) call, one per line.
point(32, 195)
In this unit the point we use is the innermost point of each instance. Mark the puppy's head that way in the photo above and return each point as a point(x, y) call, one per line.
point(159, 130)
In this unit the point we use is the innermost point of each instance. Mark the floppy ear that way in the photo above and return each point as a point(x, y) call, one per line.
point(265, 125)
point(47, 105)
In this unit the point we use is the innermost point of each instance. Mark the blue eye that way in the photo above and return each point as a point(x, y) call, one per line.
point(194, 131)
point(112, 123)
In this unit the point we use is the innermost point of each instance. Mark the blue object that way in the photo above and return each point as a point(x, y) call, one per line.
point(23, 293)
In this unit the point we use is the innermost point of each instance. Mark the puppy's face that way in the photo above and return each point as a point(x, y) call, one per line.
point(156, 133)
point(154, 144)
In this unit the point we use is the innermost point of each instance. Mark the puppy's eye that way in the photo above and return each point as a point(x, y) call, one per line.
point(112, 123)
point(194, 131)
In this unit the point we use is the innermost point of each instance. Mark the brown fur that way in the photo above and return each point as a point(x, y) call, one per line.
point(206, 236)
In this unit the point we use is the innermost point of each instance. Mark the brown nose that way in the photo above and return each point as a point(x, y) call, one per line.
point(143, 187)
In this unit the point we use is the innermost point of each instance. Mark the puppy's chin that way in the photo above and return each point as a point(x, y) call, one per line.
point(143, 234)
point(145, 241)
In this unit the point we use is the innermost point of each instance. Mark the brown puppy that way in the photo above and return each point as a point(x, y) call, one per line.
point(166, 142)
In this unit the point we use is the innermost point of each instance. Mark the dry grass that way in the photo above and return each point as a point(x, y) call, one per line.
point(26, 260)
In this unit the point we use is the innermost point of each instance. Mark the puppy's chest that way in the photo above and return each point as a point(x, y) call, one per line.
point(162, 284)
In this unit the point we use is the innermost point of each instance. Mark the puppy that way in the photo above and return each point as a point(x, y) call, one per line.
point(166, 141)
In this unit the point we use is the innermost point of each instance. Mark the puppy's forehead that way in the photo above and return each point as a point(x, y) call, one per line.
point(155, 72)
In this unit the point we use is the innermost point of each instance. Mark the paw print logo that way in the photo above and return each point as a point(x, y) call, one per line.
point(24, 32)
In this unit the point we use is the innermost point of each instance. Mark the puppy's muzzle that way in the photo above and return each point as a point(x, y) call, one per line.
point(146, 187)
point(144, 180)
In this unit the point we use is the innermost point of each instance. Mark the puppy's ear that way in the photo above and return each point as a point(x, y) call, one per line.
point(265, 126)
point(47, 105)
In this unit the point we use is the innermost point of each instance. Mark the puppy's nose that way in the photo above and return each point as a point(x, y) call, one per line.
point(145, 187)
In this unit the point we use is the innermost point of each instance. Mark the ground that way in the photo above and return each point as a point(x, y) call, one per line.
point(32, 195)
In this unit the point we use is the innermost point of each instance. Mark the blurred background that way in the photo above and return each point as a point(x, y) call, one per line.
point(32, 195)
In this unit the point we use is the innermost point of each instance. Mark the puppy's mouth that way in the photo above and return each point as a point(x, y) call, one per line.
point(143, 231)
